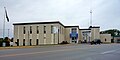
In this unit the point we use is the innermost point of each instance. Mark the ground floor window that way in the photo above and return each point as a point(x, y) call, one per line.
point(37, 41)
point(30, 42)
point(17, 42)
point(23, 42)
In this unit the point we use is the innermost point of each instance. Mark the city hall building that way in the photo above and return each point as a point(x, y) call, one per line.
point(40, 33)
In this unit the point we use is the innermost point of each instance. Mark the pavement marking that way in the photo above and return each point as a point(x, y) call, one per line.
point(111, 51)
point(20, 54)
point(107, 52)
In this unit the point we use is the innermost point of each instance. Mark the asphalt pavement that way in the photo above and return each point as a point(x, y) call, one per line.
point(64, 52)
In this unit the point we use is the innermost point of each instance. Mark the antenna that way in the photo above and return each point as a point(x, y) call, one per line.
point(90, 17)
point(91, 11)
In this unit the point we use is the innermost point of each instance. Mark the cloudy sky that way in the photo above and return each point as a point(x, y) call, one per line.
point(106, 13)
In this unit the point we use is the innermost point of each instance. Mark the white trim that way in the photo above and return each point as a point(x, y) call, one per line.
point(18, 33)
point(24, 36)
point(37, 36)
point(44, 39)
point(52, 38)
point(30, 36)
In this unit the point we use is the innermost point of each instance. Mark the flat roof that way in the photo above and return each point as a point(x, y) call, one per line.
point(84, 29)
point(51, 22)
point(54, 22)
point(71, 26)
point(94, 27)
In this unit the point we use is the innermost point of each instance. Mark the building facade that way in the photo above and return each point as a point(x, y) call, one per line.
point(39, 33)
point(117, 39)
point(105, 37)
point(85, 35)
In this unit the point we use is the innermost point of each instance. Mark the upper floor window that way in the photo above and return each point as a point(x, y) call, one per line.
point(24, 30)
point(30, 29)
point(60, 30)
point(74, 30)
point(51, 29)
point(37, 29)
point(44, 29)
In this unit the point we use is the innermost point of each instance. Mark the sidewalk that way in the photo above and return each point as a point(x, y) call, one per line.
point(38, 46)
point(16, 47)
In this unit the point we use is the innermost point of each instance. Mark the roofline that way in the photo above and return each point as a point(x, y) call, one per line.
point(51, 22)
point(116, 36)
point(84, 29)
point(71, 26)
point(94, 27)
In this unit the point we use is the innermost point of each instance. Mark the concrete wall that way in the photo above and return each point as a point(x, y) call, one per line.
point(95, 33)
point(53, 38)
point(67, 34)
point(47, 38)
point(106, 37)
point(88, 35)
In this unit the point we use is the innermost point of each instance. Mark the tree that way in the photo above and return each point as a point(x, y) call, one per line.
point(1, 42)
point(113, 32)
point(11, 39)
point(7, 41)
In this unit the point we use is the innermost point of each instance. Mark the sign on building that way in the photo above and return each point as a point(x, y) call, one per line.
point(55, 29)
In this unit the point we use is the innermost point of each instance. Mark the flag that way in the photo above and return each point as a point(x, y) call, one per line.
point(6, 15)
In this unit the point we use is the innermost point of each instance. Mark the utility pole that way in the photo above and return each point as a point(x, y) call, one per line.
point(3, 26)
point(91, 11)
point(90, 17)
point(8, 33)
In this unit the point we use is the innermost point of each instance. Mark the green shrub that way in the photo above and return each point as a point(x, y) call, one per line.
point(64, 42)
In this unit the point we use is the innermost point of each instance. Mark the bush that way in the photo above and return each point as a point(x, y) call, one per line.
point(64, 42)
point(7, 41)
point(0, 43)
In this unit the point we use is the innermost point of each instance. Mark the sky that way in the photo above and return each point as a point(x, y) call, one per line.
point(106, 13)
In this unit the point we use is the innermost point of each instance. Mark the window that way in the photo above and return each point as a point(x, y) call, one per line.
point(74, 30)
point(60, 30)
point(105, 39)
point(24, 30)
point(37, 29)
point(44, 29)
point(37, 42)
point(30, 29)
point(51, 29)
point(17, 42)
point(30, 42)
point(23, 42)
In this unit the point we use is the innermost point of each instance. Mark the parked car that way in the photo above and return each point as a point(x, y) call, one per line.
point(96, 41)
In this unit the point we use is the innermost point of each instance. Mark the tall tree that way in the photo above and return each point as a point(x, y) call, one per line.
point(113, 32)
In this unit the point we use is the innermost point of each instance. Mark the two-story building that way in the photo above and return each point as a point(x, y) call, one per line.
point(39, 33)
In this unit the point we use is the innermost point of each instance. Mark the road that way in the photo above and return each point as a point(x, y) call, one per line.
point(64, 52)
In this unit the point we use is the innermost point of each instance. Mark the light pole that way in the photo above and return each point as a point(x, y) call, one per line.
point(8, 33)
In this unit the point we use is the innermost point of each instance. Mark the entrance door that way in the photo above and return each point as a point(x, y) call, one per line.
point(74, 40)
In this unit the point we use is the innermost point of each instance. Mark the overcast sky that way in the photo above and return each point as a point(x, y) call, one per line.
point(106, 13)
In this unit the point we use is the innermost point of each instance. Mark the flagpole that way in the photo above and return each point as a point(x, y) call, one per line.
point(5, 16)
point(4, 26)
